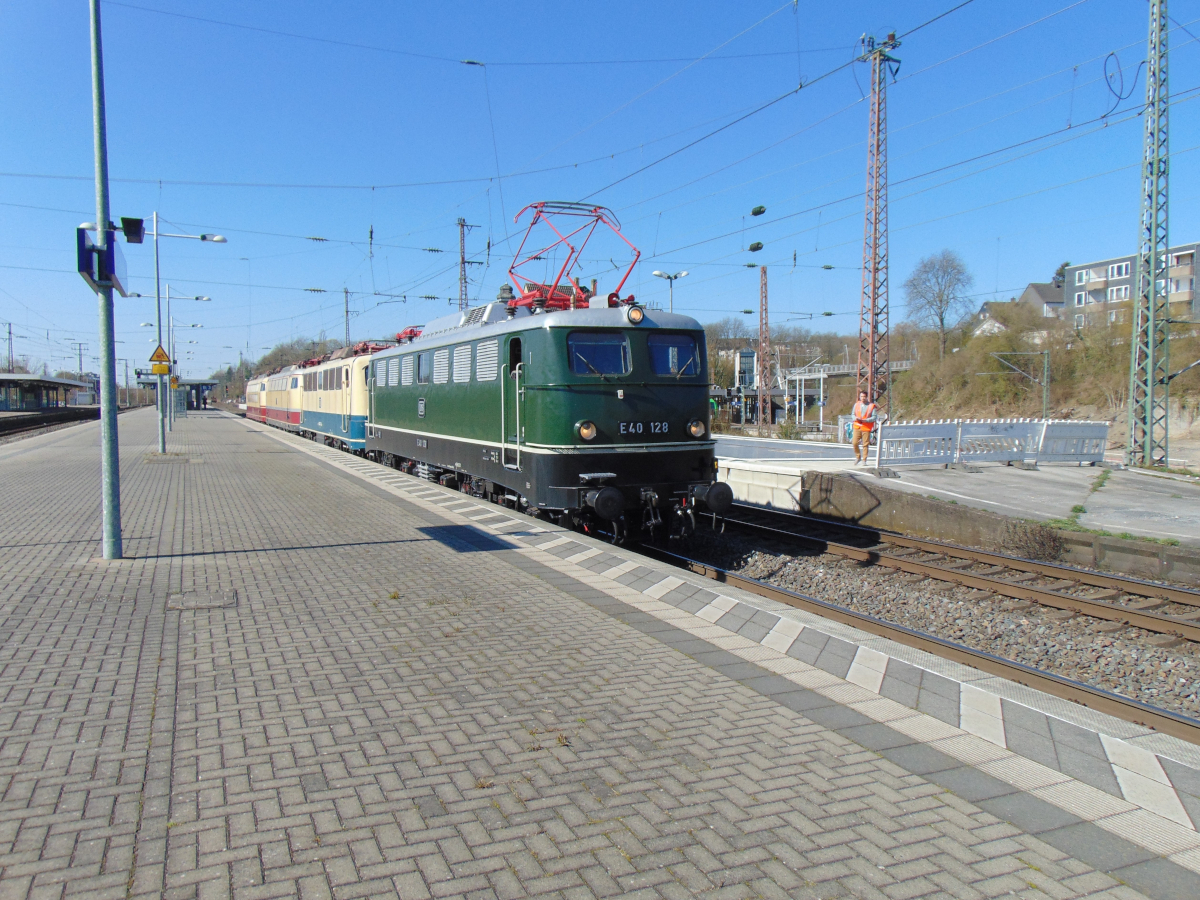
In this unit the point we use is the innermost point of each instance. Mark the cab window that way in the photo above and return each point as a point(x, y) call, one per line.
point(598, 353)
point(673, 354)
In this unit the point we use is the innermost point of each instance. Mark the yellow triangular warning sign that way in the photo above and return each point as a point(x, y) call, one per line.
point(159, 355)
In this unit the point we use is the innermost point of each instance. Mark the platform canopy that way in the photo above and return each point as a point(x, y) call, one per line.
point(25, 380)
point(151, 381)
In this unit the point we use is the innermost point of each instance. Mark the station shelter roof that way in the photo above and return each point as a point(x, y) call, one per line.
point(152, 381)
point(22, 379)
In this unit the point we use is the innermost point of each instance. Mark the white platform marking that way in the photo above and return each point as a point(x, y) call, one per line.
point(624, 567)
point(1143, 780)
point(717, 608)
point(867, 669)
point(586, 554)
point(783, 635)
point(981, 714)
point(664, 587)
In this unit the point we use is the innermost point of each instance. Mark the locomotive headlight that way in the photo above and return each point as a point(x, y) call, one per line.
point(587, 430)
point(696, 428)
point(635, 314)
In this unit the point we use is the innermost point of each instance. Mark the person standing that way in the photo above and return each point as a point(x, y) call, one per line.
point(864, 424)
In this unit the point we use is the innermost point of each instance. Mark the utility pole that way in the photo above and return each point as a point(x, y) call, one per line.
point(874, 362)
point(110, 464)
point(346, 304)
point(80, 348)
point(1149, 365)
point(764, 354)
point(11, 363)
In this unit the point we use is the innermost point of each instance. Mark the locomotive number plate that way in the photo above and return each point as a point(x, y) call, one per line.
point(643, 428)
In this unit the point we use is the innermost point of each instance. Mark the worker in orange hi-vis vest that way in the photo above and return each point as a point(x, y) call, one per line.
point(864, 424)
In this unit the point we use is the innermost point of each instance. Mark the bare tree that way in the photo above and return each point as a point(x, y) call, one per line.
point(936, 293)
point(723, 336)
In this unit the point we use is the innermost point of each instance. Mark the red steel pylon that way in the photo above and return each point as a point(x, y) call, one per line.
point(873, 350)
point(764, 354)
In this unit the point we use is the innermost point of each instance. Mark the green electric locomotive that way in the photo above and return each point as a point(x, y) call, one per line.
point(594, 415)
point(573, 412)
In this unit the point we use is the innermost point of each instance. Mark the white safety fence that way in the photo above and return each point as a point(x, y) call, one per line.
point(917, 443)
point(956, 441)
point(1073, 442)
point(999, 440)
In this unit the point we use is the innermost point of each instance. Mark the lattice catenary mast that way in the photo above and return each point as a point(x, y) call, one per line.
point(462, 264)
point(873, 349)
point(1149, 364)
point(763, 376)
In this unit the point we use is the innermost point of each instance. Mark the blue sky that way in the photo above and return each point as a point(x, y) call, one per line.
point(274, 122)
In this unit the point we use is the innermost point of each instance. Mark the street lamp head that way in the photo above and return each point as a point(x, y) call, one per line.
point(204, 299)
point(215, 238)
point(681, 274)
point(660, 274)
point(146, 325)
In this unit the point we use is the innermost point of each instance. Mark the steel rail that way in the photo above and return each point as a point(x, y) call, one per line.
point(1125, 708)
point(1150, 621)
point(1125, 583)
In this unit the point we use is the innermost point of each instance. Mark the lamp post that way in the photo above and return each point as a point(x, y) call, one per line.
point(671, 282)
point(110, 465)
point(164, 414)
point(171, 345)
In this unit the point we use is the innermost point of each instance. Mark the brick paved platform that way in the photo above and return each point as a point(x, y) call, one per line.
point(311, 679)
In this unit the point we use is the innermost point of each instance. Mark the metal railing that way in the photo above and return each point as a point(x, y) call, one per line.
point(899, 365)
point(964, 441)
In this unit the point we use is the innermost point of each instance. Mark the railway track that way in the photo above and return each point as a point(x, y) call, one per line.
point(1172, 613)
point(1164, 721)
point(16, 425)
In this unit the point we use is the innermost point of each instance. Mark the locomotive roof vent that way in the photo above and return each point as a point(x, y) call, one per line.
point(499, 311)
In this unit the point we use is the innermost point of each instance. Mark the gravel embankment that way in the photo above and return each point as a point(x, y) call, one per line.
point(1119, 661)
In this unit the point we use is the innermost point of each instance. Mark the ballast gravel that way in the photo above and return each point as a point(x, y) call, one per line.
point(1121, 661)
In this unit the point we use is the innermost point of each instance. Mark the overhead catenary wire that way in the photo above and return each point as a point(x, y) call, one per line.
point(898, 128)
point(355, 243)
point(354, 45)
point(1179, 97)
point(765, 106)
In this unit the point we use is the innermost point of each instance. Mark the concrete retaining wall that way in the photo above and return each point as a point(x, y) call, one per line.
point(845, 499)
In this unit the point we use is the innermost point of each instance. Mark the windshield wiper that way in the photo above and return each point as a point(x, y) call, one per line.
point(683, 369)
point(589, 365)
